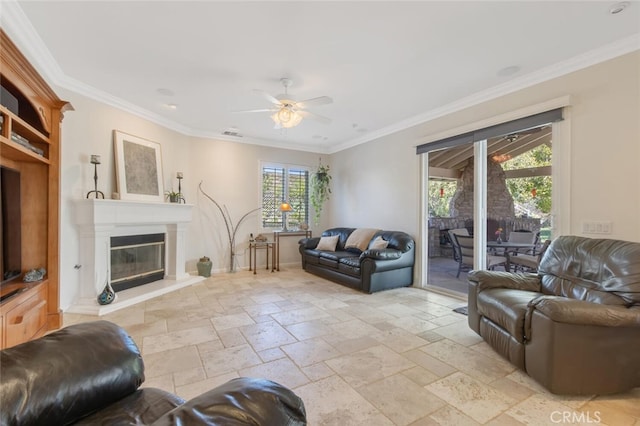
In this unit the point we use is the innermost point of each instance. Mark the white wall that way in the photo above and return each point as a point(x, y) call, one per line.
point(229, 172)
point(382, 177)
point(374, 184)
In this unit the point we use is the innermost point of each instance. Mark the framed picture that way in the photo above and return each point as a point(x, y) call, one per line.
point(138, 168)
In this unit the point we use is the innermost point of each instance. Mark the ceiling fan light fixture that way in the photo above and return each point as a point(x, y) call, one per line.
point(286, 117)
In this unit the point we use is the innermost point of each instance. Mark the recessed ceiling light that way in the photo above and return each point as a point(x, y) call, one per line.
point(165, 92)
point(619, 7)
point(507, 71)
point(172, 106)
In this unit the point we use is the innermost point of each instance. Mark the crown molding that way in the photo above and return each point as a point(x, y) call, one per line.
point(587, 59)
point(21, 31)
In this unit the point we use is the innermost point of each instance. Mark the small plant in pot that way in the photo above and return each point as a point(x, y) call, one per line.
point(172, 196)
point(320, 190)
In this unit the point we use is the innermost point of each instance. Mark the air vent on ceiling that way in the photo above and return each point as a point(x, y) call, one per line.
point(232, 131)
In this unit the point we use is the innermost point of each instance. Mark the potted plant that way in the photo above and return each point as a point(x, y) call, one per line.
point(172, 196)
point(320, 190)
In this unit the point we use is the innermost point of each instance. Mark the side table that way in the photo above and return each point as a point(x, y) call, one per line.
point(278, 234)
point(253, 251)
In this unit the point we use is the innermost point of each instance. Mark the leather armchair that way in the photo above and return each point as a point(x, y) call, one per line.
point(91, 374)
point(575, 325)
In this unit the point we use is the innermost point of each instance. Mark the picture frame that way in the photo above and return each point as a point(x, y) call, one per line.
point(138, 168)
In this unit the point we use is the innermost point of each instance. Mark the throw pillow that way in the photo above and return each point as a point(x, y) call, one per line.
point(328, 243)
point(378, 244)
point(360, 238)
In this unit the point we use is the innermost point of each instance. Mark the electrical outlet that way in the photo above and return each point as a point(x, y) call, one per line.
point(601, 228)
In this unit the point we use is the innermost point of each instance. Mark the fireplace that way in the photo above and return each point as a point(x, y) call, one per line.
point(109, 248)
point(136, 260)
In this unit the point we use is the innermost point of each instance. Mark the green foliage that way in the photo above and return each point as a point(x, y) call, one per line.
point(535, 203)
point(440, 205)
point(320, 190)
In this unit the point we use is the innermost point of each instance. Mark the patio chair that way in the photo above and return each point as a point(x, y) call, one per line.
point(454, 243)
point(528, 262)
point(465, 244)
point(523, 237)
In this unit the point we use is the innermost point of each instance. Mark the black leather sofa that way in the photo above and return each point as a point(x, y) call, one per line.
point(90, 374)
point(575, 325)
point(370, 270)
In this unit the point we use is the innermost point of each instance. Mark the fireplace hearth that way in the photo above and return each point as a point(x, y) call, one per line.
point(111, 224)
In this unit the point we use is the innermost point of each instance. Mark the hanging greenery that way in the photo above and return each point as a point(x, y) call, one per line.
point(320, 190)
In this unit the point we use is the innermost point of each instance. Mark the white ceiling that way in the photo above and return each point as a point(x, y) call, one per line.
point(386, 65)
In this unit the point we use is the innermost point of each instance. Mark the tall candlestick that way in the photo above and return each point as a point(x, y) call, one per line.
point(179, 175)
point(95, 160)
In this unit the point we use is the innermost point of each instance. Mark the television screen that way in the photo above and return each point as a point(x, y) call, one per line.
point(11, 247)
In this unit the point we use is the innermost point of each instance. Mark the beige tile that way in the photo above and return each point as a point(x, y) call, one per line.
point(420, 375)
point(310, 352)
point(400, 399)
point(318, 371)
point(232, 337)
point(266, 335)
point(166, 362)
point(448, 415)
point(226, 322)
point(309, 329)
point(191, 390)
point(399, 340)
point(271, 354)
point(472, 397)
point(177, 339)
point(262, 309)
point(282, 371)
point(185, 377)
point(296, 316)
point(469, 361)
point(164, 382)
point(230, 359)
point(413, 325)
point(381, 355)
point(332, 401)
point(346, 346)
point(460, 332)
point(505, 420)
point(434, 365)
point(540, 410)
point(399, 310)
point(354, 329)
point(369, 365)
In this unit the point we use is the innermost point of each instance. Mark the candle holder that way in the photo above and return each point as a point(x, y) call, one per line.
point(95, 160)
point(181, 199)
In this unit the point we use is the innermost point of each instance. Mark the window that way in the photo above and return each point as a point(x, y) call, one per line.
point(282, 183)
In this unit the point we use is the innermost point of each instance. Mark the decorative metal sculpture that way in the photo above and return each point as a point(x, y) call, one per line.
point(231, 228)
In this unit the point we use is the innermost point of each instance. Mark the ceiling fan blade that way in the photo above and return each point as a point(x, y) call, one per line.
point(258, 110)
point(322, 100)
point(320, 118)
point(268, 97)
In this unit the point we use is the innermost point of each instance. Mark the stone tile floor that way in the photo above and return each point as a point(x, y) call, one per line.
point(398, 357)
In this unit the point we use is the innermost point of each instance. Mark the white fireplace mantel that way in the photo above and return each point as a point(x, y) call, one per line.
point(98, 220)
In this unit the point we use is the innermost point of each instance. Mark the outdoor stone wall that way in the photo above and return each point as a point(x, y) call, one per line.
point(500, 209)
point(499, 200)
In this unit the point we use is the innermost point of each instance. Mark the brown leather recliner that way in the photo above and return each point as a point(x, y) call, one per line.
point(575, 325)
point(90, 374)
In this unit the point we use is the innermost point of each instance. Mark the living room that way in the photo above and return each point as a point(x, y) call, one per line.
point(598, 91)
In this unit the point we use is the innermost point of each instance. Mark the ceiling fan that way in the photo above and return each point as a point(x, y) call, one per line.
point(288, 113)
